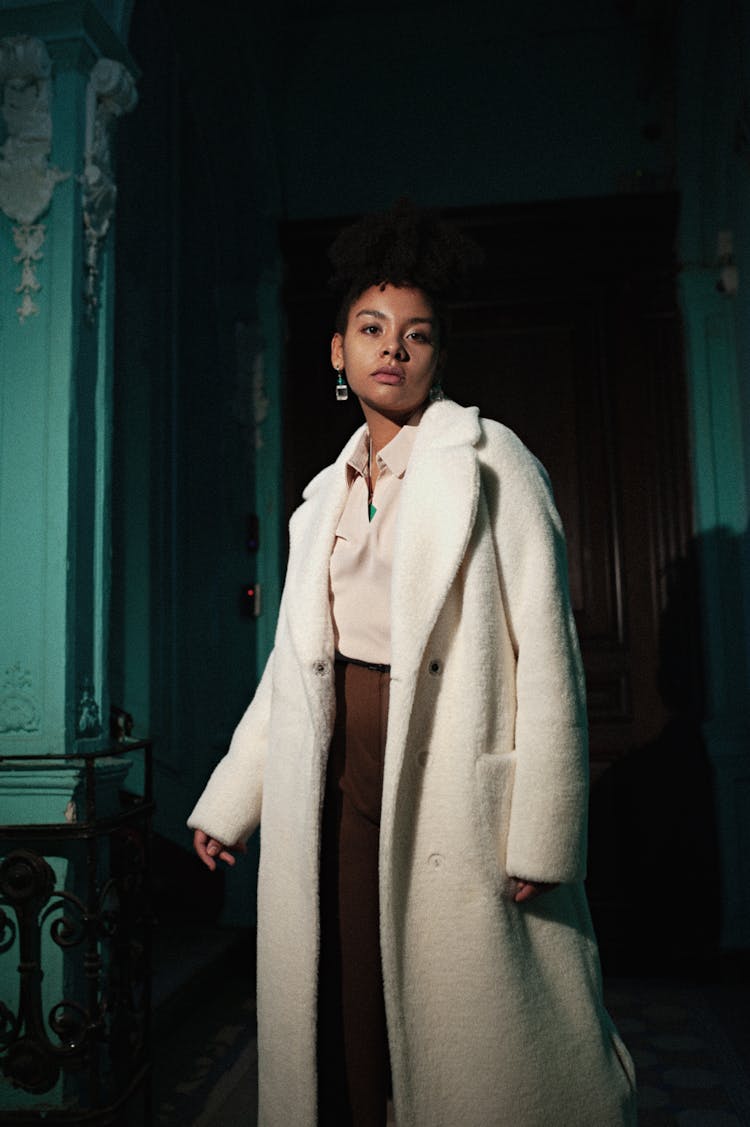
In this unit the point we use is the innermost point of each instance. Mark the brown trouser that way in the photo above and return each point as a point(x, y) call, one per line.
point(353, 1063)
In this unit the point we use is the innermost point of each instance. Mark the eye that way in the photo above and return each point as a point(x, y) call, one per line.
point(370, 330)
point(420, 337)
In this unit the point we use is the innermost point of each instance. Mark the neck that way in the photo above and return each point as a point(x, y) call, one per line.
point(383, 428)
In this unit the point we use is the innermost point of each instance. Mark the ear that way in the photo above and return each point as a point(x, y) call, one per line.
point(337, 350)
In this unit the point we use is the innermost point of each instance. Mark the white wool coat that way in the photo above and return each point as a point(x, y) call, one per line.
point(495, 1015)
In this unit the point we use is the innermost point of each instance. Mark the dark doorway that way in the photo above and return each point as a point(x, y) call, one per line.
point(571, 336)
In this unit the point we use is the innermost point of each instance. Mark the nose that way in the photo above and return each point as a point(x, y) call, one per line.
point(395, 349)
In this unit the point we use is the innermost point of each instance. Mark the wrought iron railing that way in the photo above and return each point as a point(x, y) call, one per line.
point(82, 1057)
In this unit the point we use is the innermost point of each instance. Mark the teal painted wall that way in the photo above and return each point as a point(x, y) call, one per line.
point(714, 177)
point(197, 360)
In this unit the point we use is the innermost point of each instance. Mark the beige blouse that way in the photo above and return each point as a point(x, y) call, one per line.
point(362, 557)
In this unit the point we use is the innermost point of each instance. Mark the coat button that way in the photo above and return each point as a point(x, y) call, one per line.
point(435, 860)
point(319, 667)
point(435, 668)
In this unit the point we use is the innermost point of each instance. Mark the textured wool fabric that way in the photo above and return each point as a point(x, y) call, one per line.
point(494, 1009)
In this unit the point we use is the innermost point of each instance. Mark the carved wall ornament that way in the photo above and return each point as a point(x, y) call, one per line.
point(19, 711)
point(27, 179)
point(88, 722)
point(111, 93)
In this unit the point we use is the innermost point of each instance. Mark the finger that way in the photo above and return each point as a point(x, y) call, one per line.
point(226, 856)
point(529, 890)
point(205, 858)
point(207, 848)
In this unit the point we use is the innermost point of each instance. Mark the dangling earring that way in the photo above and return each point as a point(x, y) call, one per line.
point(436, 393)
point(342, 388)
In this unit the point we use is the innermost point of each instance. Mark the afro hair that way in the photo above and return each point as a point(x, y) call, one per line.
point(404, 246)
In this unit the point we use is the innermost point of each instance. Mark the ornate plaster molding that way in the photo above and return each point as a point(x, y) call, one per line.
point(19, 711)
point(88, 722)
point(111, 93)
point(27, 179)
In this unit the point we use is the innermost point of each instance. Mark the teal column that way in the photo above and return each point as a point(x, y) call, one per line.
point(55, 418)
point(713, 184)
point(55, 427)
point(720, 529)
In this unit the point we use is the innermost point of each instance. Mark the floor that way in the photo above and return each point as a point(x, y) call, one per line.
point(691, 1050)
point(690, 1041)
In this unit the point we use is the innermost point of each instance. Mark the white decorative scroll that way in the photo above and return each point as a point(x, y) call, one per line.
point(87, 720)
point(27, 179)
point(111, 93)
point(19, 711)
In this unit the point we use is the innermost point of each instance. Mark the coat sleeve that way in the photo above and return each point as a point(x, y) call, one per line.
point(229, 807)
point(548, 820)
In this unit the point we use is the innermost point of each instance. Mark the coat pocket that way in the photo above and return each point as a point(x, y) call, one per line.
point(494, 778)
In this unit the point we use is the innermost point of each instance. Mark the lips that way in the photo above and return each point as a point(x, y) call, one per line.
point(388, 375)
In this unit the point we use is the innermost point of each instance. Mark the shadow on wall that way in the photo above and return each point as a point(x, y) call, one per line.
point(654, 879)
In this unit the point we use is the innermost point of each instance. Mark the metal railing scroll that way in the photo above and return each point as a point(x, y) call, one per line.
point(75, 918)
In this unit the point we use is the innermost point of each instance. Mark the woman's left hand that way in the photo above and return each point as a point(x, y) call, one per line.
point(208, 848)
point(529, 889)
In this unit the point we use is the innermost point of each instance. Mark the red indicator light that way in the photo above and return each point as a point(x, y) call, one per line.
point(250, 600)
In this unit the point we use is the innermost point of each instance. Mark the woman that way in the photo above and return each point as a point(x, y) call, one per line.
point(417, 745)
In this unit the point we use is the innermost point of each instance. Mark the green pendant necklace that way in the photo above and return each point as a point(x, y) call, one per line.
point(371, 510)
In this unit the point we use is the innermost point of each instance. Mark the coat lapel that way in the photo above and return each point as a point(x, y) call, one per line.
point(436, 517)
point(312, 533)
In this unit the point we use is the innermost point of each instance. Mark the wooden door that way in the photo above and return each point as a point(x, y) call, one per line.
point(574, 342)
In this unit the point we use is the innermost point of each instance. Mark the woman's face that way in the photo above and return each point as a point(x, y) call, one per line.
point(390, 351)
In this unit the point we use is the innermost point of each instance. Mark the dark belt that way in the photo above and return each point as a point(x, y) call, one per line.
point(373, 665)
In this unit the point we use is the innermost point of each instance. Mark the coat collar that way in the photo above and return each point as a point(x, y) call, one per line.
point(312, 530)
point(436, 516)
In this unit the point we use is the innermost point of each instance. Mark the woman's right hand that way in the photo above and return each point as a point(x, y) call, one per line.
point(208, 848)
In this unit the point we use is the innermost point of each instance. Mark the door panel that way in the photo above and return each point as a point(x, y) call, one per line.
point(590, 407)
